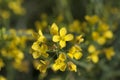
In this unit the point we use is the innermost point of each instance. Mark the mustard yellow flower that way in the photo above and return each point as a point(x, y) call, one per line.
point(63, 37)
point(42, 66)
point(72, 66)
point(54, 29)
point(40, 51)
point(92, 19)
point(101, 40)
point(2, 78)
point(75, 52)
point(91, 48)
point(59, 63)
point(41, 37)
point(95, 35)
point(108, 34)
point(109, 53)
point(94, 56)
point(79, 39)
point(1, 63)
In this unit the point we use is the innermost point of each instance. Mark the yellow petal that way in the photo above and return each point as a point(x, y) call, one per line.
point(68, 37)
point(91, 49)
point(56, 38)
point(78, 55)
point(40, 32)
point(72, 66)
point(70, 55)
point(108, 34)
point(62, 57)
point(63, 66)
point(62, 44)
point(63, 31)
point(36, 55)
point(95, 58)
point(54, 29)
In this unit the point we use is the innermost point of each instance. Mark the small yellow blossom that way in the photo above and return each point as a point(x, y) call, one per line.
point(75, 52)
point(54, 29)
point(94, 56)
point(72, 66)
point(108, 34)
point(40, 51)
point(95, 35)
point(79, 39)
point(101, 40)
point(92, 19)
point(109, 53)
point(41, 37)
point(2, 78)
point(59, 63)
point(63, 37)
point(91, 49)
point(42, 66)
point(1, 63)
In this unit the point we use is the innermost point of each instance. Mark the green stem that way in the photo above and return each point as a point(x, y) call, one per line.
point(10, 72)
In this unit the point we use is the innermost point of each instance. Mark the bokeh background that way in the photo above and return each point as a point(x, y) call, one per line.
point(20, 18)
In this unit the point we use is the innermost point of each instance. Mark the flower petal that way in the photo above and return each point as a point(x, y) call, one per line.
point(56, 38)
point(62, 44)
point(68, 37)
point(63, 31)
point(54, 29)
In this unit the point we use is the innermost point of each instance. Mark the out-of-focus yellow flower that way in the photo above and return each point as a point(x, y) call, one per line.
point(92, 19)
point(39, 50)
point(62, 38)
point(72, 66)
point(59, 63)
point(16, 7)
point(95, 35)
point(94, 56)
point(2, 78)
point(5, 14)
point(1, 63)
point(109, 53)
point(101, 40)
point(41, 37)
point(79, 39)
point(54, 29)
point(108, 34)
point(75, 52)
point(75, 27)
point(103, 26)
point(91, 49)
point(42, 66)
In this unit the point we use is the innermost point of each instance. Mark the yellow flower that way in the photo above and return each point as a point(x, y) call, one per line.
point(42, 66)
point(94, 56)
point(109, 53)
point(92, 19)
point(72, 66)
point(62, 38)
point(54, 29)
point(1, 63)
point(2, 78)
point(59, 63)
point(101, 40)
point(41, 51)
point(5, 14)
point(108, 34)
point(36, 46)
point(95, 35)
point(41, 36)
point(74, 52)
point(91, 49)
point(79, 39)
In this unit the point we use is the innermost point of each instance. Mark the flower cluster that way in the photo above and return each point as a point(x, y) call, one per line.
point(55, 52)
